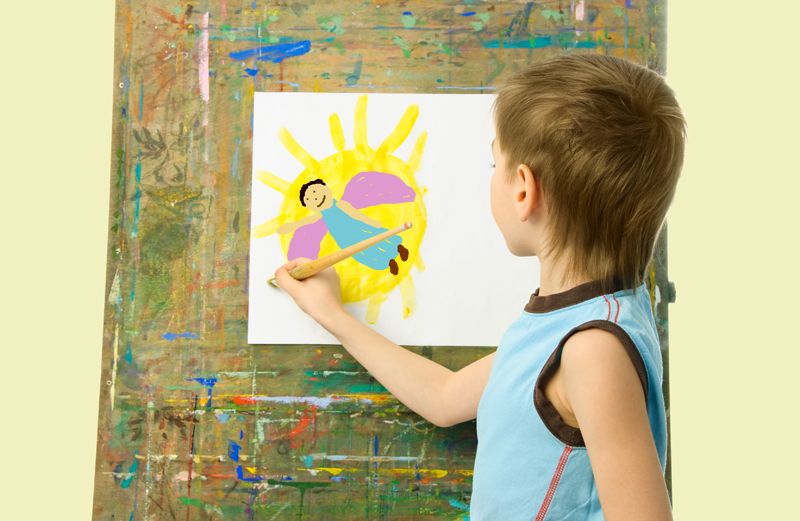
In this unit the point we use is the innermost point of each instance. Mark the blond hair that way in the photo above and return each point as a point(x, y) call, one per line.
point(605, 139)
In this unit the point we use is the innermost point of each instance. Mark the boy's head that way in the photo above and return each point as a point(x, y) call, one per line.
point(601, 139)
point(316, 195)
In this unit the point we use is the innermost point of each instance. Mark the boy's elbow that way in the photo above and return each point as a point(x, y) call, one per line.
point(442, 421)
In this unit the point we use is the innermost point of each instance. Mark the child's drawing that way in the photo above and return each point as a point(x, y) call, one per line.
point(352, 195)
point(345, 223)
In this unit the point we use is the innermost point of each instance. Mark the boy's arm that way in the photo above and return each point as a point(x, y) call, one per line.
point(603, 391)
point(441, 396)
point(438, 394)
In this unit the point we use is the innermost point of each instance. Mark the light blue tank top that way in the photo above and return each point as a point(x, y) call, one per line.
point(529, 464)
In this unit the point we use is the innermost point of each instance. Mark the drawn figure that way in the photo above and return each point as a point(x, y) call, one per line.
point(349, 226)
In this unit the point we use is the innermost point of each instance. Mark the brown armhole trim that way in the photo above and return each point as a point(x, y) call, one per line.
point(550, 416)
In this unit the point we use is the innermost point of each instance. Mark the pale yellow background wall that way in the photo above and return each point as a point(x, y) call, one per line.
point(732, 249)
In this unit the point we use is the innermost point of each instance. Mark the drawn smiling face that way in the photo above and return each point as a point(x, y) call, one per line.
point(318, 197)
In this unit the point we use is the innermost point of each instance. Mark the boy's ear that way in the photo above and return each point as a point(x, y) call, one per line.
point(527, 192)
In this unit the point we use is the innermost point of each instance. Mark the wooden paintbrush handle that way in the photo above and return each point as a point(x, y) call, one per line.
point(315, 266)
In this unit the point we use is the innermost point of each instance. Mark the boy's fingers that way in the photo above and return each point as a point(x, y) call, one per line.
point(291, 264)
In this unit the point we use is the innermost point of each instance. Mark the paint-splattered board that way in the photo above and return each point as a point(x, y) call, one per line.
point(194, 422)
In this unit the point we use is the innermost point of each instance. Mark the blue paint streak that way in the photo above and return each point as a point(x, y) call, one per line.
point(209, 383)
point(240, 475)
point(129, 354)
point(352, 79)
point(407, 13)
point(458, 504)
point(251, 72)
point(233, 450)
point(537, 42)
point(628, 4)
point(468, 13)
point(174, 336)
point(241, 435)
point(132, 471)
point(137, 195)
point(375, 445)
point(274, 53)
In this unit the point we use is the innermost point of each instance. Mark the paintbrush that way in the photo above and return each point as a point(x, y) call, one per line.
point(313, 267)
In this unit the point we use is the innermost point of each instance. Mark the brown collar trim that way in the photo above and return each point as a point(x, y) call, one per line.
point(570, 297)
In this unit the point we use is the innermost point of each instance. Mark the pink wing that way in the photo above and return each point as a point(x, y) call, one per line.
point(305, 240)
point(374, 188)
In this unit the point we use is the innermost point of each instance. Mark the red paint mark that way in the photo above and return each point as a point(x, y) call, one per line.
point(244, 400)
point(308, 418)
point(548, 498)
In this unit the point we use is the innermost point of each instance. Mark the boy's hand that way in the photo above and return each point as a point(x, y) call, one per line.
point(319, 296)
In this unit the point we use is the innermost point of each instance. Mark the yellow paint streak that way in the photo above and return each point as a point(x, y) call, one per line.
point(273, 181)
point(360, 133)
point(295, 149)
point(374, 307)
point(400, 132)
point(416, 154)
point(419, 264)
point(437, 473)
point(267, 228)
point(337, 134)
point(408, 294)
point(332, 470)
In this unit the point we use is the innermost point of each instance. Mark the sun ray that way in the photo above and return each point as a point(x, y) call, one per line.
point(267, 228)
point(374, 307)
point(296, 150)
point(273, 181)
point(337, 134)
point(418, 263)
point(400, 132)
point(416, 154)
point(408, 295)
point(360, 133)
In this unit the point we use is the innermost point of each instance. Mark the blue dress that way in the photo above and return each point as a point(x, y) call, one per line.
point(347, 231)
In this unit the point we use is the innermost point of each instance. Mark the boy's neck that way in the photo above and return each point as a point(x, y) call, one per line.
point(550, 278)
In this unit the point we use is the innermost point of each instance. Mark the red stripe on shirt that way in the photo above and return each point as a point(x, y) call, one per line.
point(548, 498)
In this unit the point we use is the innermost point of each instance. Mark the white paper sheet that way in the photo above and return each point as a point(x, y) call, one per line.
point(471, 289)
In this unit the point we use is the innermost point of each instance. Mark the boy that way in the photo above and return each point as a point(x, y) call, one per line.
point(570, 412)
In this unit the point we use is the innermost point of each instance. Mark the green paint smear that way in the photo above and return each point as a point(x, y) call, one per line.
point(408, 21)
point(483, 19)
point(332, 24)
point(400, 42)
point(300, 485)
point(554, 15)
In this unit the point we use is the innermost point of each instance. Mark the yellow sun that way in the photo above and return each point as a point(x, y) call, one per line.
point(359, 282)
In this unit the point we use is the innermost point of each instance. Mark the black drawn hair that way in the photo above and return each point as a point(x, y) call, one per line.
point(305, 187)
